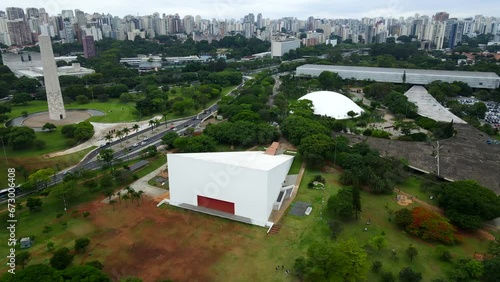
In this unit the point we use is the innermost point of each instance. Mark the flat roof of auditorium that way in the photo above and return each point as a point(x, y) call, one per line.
point(399, 71)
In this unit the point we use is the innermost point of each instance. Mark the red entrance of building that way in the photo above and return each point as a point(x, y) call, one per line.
point(215, 204)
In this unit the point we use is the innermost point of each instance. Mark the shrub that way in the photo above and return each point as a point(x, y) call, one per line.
point(405, 138)
point(50, 246)
point(74, 212)
point(59, 215)
point(376, 266)
point(39, 144)
point(95, 263)
point(367, 132)
point(86, 214)
point(81, 244)
point(403, 217)
point(61, 259)
point(45, 193)
point(24, 113)
point(46, 229)
point(388, 276)
point(443, 253)
point(381, 134)
point(418, 136)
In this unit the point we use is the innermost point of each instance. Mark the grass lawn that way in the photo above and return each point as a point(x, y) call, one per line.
point(298, 233)
point(153, 164)
point(114, 110)
point(33, 162)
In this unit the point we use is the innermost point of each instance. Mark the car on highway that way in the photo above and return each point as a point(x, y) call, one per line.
point(136, 144)
point(145, 139)
point(186, 125)
point(143, 142)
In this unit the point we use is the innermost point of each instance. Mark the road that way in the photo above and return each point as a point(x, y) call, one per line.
point(91, 162)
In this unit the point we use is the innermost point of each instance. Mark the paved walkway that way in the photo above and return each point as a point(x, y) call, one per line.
point(142, 185)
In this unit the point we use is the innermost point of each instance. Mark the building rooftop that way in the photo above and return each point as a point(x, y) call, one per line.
point(429, 107)
point(332, 104)
point(257, 160)
point(400, 71)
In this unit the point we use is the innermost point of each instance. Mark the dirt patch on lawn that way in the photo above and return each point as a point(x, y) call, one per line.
point(159, 243)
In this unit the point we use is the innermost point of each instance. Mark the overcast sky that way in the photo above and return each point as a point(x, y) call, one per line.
point(269, 8)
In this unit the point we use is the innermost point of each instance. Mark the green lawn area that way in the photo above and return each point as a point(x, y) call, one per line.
point(54, 142)
point(153, 164)
point(114, 110)
point(297, 162)
point(32, 162)
point(298, 233)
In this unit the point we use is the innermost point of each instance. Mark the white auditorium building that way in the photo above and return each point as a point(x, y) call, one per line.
point(242, 186)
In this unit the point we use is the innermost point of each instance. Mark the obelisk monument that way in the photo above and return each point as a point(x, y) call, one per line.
point(51, 78)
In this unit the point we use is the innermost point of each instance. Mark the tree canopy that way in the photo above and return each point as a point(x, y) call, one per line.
point(467, 204)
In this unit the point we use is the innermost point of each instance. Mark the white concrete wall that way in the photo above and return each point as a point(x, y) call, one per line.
point(275, 179)
point(245, 187)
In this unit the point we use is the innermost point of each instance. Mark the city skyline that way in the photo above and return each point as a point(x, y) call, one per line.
point(274, 9)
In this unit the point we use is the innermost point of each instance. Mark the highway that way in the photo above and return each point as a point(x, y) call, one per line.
point(91, 161)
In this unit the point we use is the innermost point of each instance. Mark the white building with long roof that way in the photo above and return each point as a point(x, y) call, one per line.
point(243, 186)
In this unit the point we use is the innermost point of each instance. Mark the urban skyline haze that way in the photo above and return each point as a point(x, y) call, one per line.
point(270, 9)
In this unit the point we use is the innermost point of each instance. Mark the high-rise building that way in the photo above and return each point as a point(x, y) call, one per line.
point(32, 13)
point(14, 13)
point(69, 34)
point(438, 34)
point(456, 32)
point(88, 46)
point(19, 32)
point(259, 23)
point(441, 17)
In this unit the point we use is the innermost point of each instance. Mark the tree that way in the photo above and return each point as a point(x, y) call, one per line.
point(82, 99)
point(409, 275)
point(108, 137)
point(351, 114)
point(356, 200)
point(443, 253)
point(23, 258)
point(492, 270)
point(49, 127)
point(61, 259)
point(378, 242)
point(169, 138)
point(344, 260)
point(412, 252)
point(64, 191)
point(388, 276)
point(341, 204)
point(21, 98)
point(467, 204)
point(83, 131)
point(429, 225)
point(108, 193)
point(96, 264)
point(36, 272)
point(81, 244)
point(50, 246)
point(318, 144)
point(403, 218)
point(106, 155)
point(41, 177)
point(126, 131)
point(336, 228)
point(126, 197)
point(330, 80)
point(136, 129)
point(21, 137)
point(84, 273)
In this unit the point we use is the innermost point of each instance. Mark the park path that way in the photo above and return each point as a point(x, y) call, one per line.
point(141, 184)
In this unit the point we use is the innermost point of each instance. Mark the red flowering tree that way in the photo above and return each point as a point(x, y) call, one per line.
point(429, 225)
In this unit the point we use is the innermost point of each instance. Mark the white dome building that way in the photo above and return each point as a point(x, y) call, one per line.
point(332, 104)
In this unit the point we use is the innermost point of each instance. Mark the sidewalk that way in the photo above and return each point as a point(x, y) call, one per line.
point(142, 185)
